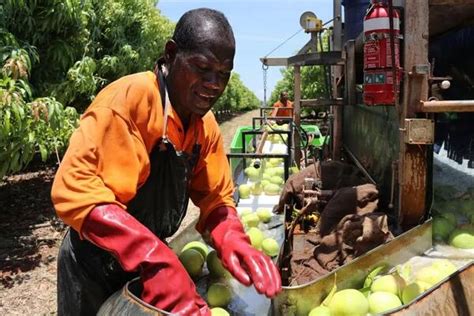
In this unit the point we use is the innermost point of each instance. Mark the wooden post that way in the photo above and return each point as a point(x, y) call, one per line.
point(297, 114)
point(336, 72)
point(413, 164)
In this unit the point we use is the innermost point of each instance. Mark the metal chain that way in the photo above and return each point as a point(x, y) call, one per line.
point(264, 68)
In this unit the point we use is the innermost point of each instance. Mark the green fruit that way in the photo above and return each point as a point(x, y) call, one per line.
point(264, 182)
point(413, 290)
point(429, 275)
point(349, 302)
point(279, 171)
point(275, 161)
point(272, 189)
point(244, 211)
point(270, 247)
point(320, 311)
point(214, 265)
point(251, 220)
point(217, 311)
point(192, 261)
point(244, 191)
point(199, 246)
point(257, 188)
point(444, 266)
point(270, 172)
point(462, 238)
point(294, 170)
point(277, 180)
point(387, 283)
point(252, 173)
point(450, 217)
point(380, 302)
point(441, 228)
point(471, 218)
point(264, 214)
point(219, 295)
point(256, 237)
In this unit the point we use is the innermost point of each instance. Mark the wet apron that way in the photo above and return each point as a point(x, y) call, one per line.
point(88, 275)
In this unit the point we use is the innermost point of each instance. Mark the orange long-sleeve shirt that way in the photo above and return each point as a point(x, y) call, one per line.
point(282, 112)
point(108, 155)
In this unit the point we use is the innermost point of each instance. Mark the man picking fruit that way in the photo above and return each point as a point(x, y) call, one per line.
point(146, 143)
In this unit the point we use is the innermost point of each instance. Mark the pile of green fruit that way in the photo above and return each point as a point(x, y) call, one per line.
point(381, 293)
point(453, 218)
point(268, 179)
point(256, 232)
point(194, 256)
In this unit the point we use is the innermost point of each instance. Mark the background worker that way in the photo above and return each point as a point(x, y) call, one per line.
point(146, 143)
point(283, 107)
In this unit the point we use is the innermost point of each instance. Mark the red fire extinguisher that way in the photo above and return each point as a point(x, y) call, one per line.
point(379, 85)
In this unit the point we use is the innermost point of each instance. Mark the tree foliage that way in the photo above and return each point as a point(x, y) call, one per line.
point(313, 80)
point(55, 55)
point(237, 96)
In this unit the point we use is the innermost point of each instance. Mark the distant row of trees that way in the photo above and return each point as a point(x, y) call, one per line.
point(55, 56)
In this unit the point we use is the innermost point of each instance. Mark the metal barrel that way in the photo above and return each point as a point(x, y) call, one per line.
point(125, 302)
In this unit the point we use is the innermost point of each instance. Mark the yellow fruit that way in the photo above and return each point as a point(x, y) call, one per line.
point(349, 302)
point(217, 311)
point(192, 261)
point(219, 295)
point(264, 214)
point(257, 188)
point(320, 311)
point(462, 238)
point(387, 283)
point(256, 237)
point(277, 180)
point(413, 290)
point(251, 220)
point(244, 211)
point(275, 161)
point(380, 302)
point(244, 191)
point(252, 173)
point(199, 246)
point(272, 189)
point(270, 247)
point(430, 275)
point(444, 266)
point(294, 170)
point(279, 171)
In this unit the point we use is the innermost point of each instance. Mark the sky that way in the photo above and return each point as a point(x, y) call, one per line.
point(259, 27)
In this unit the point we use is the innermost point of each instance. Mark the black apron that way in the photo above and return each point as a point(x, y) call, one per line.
point(88, 275)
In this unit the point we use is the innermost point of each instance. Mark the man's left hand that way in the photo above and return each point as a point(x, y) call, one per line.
point(244, 262)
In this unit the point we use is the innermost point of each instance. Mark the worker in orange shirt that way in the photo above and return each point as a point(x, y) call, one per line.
point(283, 107)
point(146, 143)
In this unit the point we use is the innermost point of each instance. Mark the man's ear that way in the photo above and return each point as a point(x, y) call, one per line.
point(171, 49)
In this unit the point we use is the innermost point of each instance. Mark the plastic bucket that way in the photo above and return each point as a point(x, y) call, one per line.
point(125, 302)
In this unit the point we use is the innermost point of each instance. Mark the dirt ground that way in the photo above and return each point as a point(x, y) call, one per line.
point(30, 234)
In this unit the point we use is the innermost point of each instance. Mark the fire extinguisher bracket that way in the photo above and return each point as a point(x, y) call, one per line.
point(419, 131)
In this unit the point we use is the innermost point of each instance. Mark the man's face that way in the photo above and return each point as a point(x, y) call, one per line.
point(198, 78)
point(284, 97)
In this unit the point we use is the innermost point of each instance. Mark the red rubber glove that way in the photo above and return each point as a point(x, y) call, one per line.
point(243, 261)
point(166, 284)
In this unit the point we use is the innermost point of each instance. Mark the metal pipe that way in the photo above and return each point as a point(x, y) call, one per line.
point(447, 106)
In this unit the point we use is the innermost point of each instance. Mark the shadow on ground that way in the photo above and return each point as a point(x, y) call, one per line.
point(26, 220)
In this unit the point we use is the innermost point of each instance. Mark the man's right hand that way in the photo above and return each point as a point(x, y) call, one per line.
point(166, 284)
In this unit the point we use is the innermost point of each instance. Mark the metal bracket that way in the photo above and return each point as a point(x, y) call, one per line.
point(419, 131)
